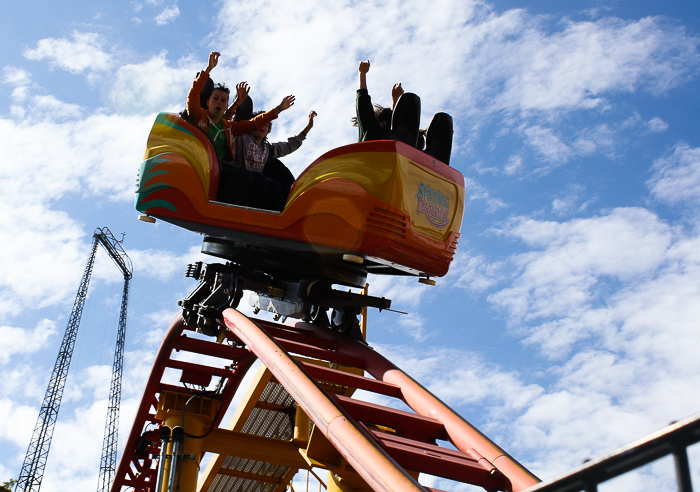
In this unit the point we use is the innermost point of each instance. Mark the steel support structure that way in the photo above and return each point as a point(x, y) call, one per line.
point(108, 460)
point(32, 471)
point(34, 465)
point(385, 448)
point(138, 470)
point(364, 446)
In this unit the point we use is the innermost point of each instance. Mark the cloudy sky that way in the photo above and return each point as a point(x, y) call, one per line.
point(568, 324)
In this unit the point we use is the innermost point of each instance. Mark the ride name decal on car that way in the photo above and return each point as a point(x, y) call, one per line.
point(433, 204)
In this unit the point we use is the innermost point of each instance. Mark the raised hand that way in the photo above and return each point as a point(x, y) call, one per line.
point(213, 60)
point(310, 125)
point(363, 67)
point(312, 115)
point(242, 91)
point(396, 93)
point(286, 103)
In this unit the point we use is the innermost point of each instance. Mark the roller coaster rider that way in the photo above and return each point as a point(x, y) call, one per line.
point(401, 122)
point(238, 186)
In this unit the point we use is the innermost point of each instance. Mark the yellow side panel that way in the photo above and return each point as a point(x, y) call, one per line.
point(434, 203)
point(168, 136)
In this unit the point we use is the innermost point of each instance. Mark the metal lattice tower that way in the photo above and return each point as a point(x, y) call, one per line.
point(34, 464)
point(109, 444)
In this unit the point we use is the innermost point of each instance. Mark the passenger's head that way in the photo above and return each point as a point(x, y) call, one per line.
point(261, 133)
point(383, 116)
point(217, 104)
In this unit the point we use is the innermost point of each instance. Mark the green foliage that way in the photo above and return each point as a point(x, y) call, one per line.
point(8, 486)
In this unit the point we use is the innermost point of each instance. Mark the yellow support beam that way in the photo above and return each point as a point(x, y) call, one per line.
point(195, 415)
point(248, 446)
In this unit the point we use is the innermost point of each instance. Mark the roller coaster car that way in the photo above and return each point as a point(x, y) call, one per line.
point(379, 207)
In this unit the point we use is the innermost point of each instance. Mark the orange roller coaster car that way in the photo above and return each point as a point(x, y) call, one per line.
point(383, 206)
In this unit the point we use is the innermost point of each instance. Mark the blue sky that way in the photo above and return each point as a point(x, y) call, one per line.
point(568, 324)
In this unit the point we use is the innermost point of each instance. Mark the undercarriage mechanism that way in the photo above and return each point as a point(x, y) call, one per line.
point(221, 286)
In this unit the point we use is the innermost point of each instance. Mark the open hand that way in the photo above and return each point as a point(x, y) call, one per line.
point(242, 91)
point(286, 103)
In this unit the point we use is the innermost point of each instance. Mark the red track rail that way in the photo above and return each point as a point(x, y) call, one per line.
point(136, 468)
point(384, 446)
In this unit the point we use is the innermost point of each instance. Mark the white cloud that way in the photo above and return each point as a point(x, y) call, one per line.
point(558, 147)
point(152, 86)
point(513, 56)
point(576, 67)
point(17, 340)
point(656, 125)
point(573, 199)
point(624, 391)
point(76, 447)
point(514, 165)
point(42, 244)
point(15, 76)
point(40, 107)
point(17, 423)
point(612, 302)
point(93, 149)
point(567, 272)
point(168, 15)
point(164, 264)
point(21, 380)
point(474, 273)
point(475, 191)
point(78, 435)
point(84, 52)
point(413, 326)
point(676, 178)
point(87, 157)
point(54, 109)
point(548, 144)
point(508, 64)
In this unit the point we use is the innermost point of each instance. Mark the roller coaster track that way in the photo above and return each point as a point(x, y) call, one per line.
point(300, 413)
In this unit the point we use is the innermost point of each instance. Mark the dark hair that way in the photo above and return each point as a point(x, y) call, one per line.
point(222, 87)
point(209, 88)
point(269, 125)
point(380, 112)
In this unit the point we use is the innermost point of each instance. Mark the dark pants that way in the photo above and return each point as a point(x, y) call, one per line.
point(239, 186)
point(278, 172)
point(267, 190)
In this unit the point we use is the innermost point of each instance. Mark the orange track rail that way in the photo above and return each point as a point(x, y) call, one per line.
point(384, 446)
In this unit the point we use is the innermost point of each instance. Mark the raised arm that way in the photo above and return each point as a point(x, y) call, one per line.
point(213, 61)
point(194, 106)
point(242, 91)
point(280, 149)
point(310, 125)
point(396, 93)
point(362, 70)
point(248, 126)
